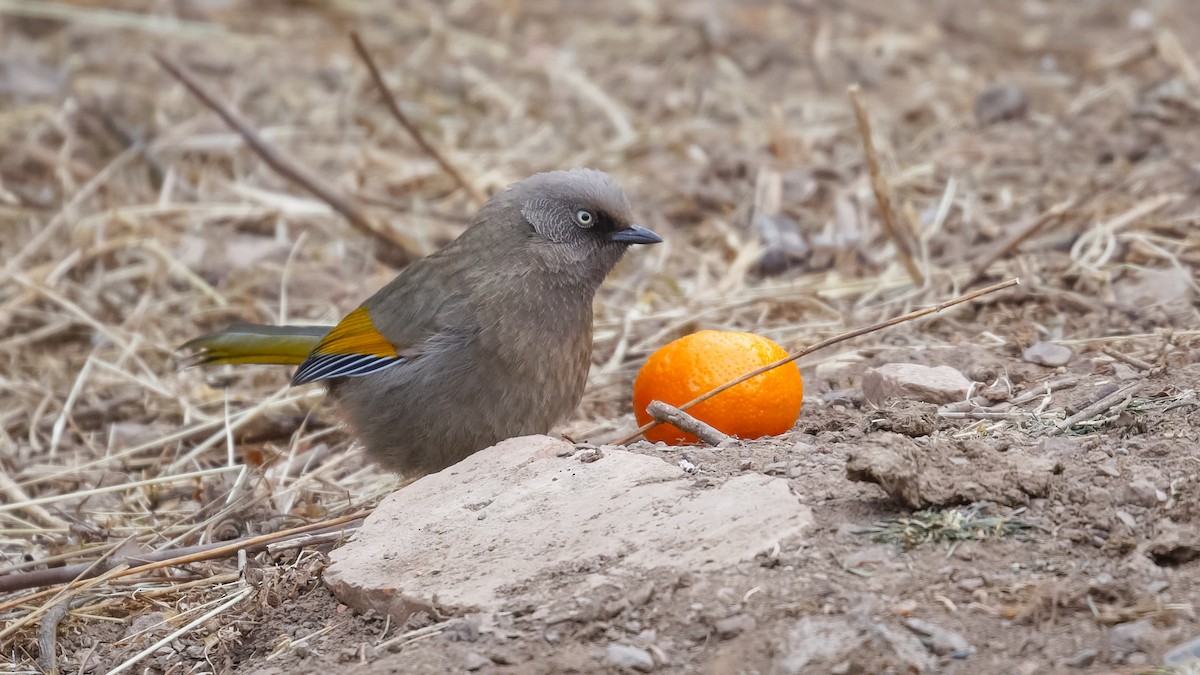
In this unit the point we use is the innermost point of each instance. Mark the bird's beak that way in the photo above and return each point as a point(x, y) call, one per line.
point(636, 234)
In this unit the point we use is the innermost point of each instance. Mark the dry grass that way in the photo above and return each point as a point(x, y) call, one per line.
point(132, 219)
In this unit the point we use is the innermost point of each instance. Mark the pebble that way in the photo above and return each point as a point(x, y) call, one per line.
point(914, 381)
point(1109, 468)
point(1082, 658)
point(939, 640)
point(1048, 354)
point(1001, 103)
point(776, 468)
point(1130, 636)
point(628, 656)
point(735, 625)
point(642, 594)
point(1183, 652)
point(475, 661)
point(971, 583)
point(1142, 493)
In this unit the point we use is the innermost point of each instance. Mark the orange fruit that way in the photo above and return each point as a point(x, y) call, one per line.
point(764, 405)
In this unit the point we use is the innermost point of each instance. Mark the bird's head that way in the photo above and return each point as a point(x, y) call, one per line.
point(578, 218)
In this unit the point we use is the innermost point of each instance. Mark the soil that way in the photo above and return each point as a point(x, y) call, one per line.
point(1076, 550)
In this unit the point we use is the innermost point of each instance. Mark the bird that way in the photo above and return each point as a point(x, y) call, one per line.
point(485, 339)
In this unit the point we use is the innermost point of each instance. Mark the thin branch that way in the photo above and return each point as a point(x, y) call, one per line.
point(157, 559)
point(395, 248)
point(1053, 215)
point(879, 185)
point(390, 99)
point(826, 343)
point(1097, 408)
point(669, 414)
point(48, 635)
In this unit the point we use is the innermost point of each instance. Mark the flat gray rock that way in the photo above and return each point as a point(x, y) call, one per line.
point(913, 381)
point(480, 534)
point(1048, 354)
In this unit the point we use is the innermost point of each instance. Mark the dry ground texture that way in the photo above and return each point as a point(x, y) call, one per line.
point(132, 218)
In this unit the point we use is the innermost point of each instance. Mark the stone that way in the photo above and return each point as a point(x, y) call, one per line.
point(838, 372)
point(1169, 288)
point(940, 641)
point(856, 644)
point(475, 661)
point(940, 384)
point(628, 656)
point(1131, 636)
point(1048, 354)
point(425, 549)
point(1082, 659)
point(1141, 492)
point(733, 626)
point(1001, 102)
point(1184, 652)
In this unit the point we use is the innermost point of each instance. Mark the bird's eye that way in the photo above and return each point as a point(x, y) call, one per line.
point(584, 218)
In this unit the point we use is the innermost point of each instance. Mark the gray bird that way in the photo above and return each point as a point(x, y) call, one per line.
point(488, 338)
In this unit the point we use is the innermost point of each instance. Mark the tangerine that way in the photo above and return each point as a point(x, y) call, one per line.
point(695, 364)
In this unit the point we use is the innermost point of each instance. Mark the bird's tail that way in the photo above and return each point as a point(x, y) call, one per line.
point(252, 343)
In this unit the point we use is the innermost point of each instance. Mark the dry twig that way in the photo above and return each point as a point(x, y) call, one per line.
point(826, 343)
point(160, 559)
point(48, 635)
point(1054, 214)
point(413, 130)
point(879, 185)
point(669, 414)
point(395, 248)
point(1127, 359)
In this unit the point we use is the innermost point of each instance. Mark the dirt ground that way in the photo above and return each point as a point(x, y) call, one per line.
point(1024, 531)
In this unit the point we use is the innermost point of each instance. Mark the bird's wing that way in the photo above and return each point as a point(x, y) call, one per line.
point(353, 348)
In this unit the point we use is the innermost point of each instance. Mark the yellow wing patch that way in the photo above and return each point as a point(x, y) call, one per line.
point(356, 334)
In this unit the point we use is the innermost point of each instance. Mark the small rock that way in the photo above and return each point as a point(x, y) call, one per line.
point(1109, 468)
point(1184, 652)
point(1142, 493)
point(904, 608)
point(196, 652)
point(616, 607)
point(1130, 636)
point(819, 644)
point(735, 625)
point(628, 656)
point(776, 469)
point(971, 583)
point(475, 661)
point(1169, 288)
point(1124, 373)
point(840, 371)
point(1048, 354)
point(942, 384)
point(1001, 103)
point(746, 465)
point(642, 594)
point(939, 640)
point(1173, 546)
point(1082, 658)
